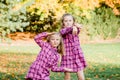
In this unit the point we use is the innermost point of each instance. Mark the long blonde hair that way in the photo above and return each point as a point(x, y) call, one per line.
point(60, 47)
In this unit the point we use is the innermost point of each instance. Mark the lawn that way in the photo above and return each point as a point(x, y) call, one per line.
point(103, 62)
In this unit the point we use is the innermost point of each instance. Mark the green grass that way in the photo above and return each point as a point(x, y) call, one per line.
point(102, 59)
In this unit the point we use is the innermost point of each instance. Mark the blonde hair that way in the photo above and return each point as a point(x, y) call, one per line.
point(60, 47)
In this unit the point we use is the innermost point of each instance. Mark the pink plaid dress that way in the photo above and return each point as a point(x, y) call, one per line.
point(73, 57)
point(47, 59)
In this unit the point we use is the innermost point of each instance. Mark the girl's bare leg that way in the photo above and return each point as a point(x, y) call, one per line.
point(67, 76)
point(80, 75)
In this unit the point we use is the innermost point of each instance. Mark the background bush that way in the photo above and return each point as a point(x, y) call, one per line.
point(101, 18)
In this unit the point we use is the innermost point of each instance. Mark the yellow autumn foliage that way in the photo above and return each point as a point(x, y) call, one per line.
point(57, 6)
point(45, 6)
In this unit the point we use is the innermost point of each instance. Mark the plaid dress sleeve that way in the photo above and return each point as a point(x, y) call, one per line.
point(53, 61)
point(66, 30)
point(39, 39)
point(55, 68)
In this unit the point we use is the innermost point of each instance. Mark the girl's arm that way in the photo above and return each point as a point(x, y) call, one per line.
point(39, 38)
point(66, 30)
point(56, 68)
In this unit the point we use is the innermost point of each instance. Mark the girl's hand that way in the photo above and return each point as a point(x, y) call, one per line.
point(74, 30)
point(78, 25)
point(68, 69)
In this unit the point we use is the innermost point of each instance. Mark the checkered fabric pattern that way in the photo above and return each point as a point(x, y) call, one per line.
point(47, 59)
point(74, 57)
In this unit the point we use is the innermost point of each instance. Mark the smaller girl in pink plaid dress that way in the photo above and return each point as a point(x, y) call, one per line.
point(73, 57)
point(47, 58)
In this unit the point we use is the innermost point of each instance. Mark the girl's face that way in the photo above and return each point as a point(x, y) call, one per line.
point(55, 40)
point(68, 21)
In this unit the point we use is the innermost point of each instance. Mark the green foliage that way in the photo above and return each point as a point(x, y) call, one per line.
point(12, 17)
point(40, 23)
point(103, 23)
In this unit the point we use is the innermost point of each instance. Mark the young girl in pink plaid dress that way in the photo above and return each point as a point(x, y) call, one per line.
point(48, 57)
point(73, 57)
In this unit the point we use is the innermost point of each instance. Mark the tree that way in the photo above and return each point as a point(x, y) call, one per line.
point(43, 15)
point(12, 16)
